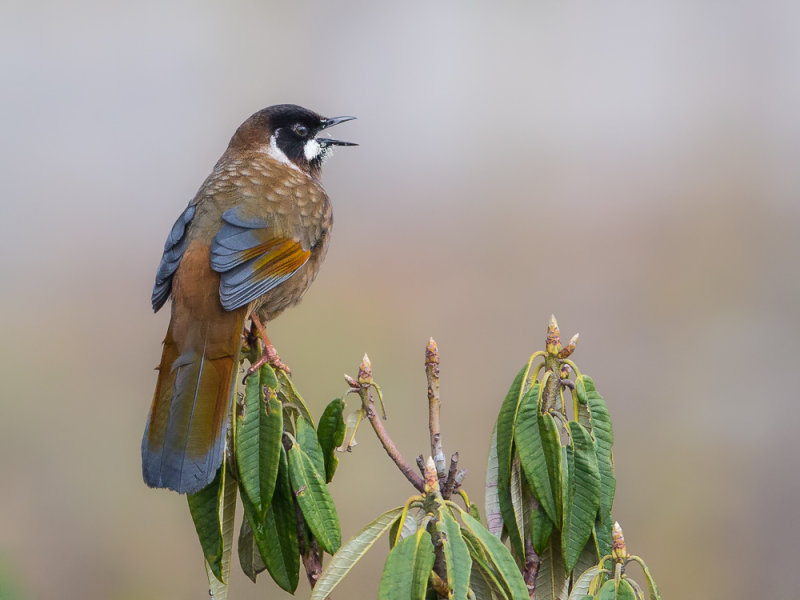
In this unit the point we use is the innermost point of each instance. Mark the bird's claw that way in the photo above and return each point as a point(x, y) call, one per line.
point(271, 358)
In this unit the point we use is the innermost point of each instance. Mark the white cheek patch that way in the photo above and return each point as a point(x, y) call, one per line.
point(276, 153)
point(312, 149)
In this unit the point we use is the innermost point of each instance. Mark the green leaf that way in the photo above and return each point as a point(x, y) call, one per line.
point(205, 507)
point(494, 518)
point(541, 528)
point(249, 557)
point(552, 582)
point(314, 499)
point(602, 536)
point(331, 435)
point(411, 556)
point(276, 534)
point(612, 591)
point(652, 588)
point(582, 583)
point(505, 454)
point(625, 591)
point(500, 560)
point(480, 560)
point(580, 404)
point(587, 559)
point(456, 554)
point(291, 395)
point(258, 440)
point(608, 591)
point(517, 500)
point(307, 438)
point(551, 446)
point(479, 585)
point(474, 512)
point(410, 526)
point(582, 495)
point(218, 587)
point(531, 454)
point(349, 554)
point(603, 436)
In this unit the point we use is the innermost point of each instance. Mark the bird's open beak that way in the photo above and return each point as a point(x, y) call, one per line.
point(330, 123)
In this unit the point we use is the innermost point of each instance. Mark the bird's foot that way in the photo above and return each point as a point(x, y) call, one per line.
point(271, 358)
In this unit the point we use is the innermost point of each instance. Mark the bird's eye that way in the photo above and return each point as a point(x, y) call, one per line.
point(301, 130)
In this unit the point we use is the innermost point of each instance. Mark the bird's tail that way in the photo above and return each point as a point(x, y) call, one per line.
point(184, 439)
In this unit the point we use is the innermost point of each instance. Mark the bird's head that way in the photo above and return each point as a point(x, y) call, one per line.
point(290, 134)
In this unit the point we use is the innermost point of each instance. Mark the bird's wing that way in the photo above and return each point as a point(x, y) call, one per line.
point(252, 258)
point(173, 252)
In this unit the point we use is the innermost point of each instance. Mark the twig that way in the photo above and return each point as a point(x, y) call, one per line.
point(434, 407)
point(532, 563)
point(365, 385)
point(421, 465)
point(450, 482)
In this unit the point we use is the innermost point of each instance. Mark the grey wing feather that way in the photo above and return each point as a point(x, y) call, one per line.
point(173, 252)
point(235, 255)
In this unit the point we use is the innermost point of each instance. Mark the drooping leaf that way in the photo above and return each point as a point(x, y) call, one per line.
point(205, 507)
point(552, 582)
point(291, 395)
point(580, 404)
point(625, 591)
point(218, 587)
point(583, 494)
point(480, 560)
point(351, 552)
point(500, 560)
point(408, 568)
point(613, 591)
point(603, 436)
point(652, 588)
point(608, 591)
point(505, 453)
point(531, 454)
point(588, 558)
point(249, 557)
point(410, 526)
point(456, 554)
point(314, 499)
point(307, 438)
point(479, 585)
point(258, 440)
point(494, 518)
point(517, 500)
point(582, 582)
point(541, 528)
point(276, 535)
point(551, 446)
point(602, 536)
point(331, 435)
point(474, 512)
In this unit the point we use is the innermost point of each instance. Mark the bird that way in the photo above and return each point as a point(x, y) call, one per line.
point(247, 247)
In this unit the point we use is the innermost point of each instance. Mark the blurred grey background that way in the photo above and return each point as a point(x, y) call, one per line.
point(631, 167)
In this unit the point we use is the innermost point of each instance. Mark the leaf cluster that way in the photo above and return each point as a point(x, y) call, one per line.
point(279, 464)
point(438, 549)
point(550, 479)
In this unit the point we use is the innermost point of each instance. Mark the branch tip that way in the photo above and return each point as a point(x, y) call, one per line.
point(432, 353)
point(365, 371)
point(618, 550)
point(553, 339)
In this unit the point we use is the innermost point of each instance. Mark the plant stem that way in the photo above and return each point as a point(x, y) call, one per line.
point(386, 441)
point(434, 407)
point(552, 388)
